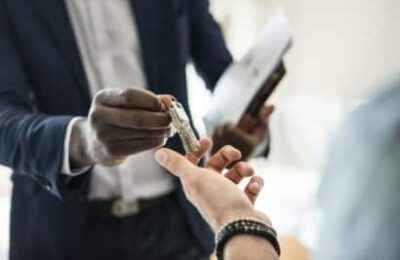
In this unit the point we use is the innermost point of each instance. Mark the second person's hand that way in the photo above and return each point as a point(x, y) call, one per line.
point(246, 138)
point(216, 196)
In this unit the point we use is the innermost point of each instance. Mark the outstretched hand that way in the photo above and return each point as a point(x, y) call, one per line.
point(216, 196)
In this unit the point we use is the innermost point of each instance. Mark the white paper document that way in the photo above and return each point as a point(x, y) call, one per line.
point(242, 80)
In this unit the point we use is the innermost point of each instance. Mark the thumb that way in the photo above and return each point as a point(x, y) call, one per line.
point(174, 162)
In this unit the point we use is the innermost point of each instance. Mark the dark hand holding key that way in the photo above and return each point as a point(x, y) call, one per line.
point(120, 123)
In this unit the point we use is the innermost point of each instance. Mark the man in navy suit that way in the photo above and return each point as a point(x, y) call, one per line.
point(79, 121)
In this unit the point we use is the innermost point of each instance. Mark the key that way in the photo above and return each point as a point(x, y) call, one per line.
point(181, 123)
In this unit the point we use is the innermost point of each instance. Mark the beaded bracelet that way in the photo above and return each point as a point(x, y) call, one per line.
point(245, 226)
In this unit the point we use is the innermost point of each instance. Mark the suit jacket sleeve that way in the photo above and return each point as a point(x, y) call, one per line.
point(209, 52)
point(31, 143)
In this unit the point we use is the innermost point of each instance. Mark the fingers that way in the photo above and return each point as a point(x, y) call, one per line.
point(265, 113)
point(239, 137)
point(129, 98)
point(248, 123)
point(167, 100)
point(238, 172)
point(260, 130)
point(108, 133)
point(223, 158)
point(128, 147)
point(232, 135)
point(254, 188)
point(205, 145)
point(245, 139)
point(174, 162)
point(243, 170)
point(258, 127)
point(129, 118)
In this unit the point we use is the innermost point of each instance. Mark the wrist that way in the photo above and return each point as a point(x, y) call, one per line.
point(78, 152)
point(256, 232)
point(249, 247)
point(245, 213)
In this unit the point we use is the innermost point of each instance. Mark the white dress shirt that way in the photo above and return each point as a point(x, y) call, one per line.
point(108, 42)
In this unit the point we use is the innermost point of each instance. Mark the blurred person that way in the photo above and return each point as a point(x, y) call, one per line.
point(360, 195)
point(78, 84)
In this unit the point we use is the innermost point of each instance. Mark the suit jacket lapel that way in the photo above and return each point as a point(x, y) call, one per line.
point(147, 14)
point(157, 22)
point(55, 15)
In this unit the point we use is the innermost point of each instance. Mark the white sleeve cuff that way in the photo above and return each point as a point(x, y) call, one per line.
point(66, 167)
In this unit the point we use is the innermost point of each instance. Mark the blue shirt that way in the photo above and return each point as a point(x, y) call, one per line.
point(360, 193)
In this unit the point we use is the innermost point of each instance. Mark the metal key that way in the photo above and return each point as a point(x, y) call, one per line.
point(181, 123)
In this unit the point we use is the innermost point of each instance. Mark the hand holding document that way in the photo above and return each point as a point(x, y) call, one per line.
point(247, 83)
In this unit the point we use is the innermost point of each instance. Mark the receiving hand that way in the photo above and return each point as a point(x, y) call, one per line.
point(217, 197)
point(246, 138)
point(120, 123)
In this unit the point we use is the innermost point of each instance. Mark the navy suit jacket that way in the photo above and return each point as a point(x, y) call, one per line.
point(43, 85)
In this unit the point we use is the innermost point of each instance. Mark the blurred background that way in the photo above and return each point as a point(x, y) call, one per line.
point(343, 52)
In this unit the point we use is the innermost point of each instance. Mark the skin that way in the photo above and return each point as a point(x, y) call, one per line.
point(247, 137)
point(217, 197)
point(125, 122)
point(120, 123)
point(129, 121)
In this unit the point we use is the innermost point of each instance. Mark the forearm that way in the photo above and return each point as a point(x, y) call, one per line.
point(249, 247)
point(32, 144)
